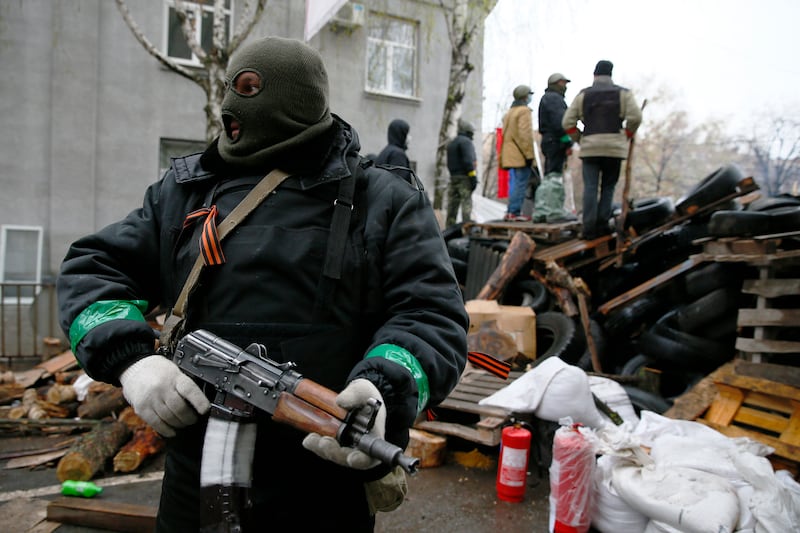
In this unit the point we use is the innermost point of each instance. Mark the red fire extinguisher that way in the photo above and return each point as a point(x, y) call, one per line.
point(512, 466)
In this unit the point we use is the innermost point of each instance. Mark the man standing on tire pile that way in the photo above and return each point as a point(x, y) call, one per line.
point(516, 152)
point(610, 116)
point(361, 295)
point(556, 144)
point(461, 163)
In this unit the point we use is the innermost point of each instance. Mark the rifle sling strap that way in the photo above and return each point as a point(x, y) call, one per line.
point(269, 183)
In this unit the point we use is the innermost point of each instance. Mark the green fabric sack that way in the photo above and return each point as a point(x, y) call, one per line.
point(548, 205)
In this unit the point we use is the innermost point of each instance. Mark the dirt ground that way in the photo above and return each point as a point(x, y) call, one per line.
point(450, 498)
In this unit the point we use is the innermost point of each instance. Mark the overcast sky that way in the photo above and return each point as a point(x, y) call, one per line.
point(724, 59)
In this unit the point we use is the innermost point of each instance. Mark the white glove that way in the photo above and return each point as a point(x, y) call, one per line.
point(162, 395)
point(355, 395)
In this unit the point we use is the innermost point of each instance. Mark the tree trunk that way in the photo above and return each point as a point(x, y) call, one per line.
point(146, 442)
point(88, 456)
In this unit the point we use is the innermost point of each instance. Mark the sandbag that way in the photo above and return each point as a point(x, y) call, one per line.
point(689, 500)
point(548, 204)
point(612, 514)
point(552, 390)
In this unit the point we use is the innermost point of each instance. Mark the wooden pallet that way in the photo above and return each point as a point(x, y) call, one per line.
point(765, 321)
point(764, 410)
point(474, 386)
point(543, 232)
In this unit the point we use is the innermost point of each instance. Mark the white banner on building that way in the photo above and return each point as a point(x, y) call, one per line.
point(318, 13)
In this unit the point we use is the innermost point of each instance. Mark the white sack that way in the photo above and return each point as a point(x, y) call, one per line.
point(612, 514)
point(689, 500)
point(552, 390)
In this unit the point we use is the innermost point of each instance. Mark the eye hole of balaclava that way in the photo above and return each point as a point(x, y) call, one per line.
point(247, 83)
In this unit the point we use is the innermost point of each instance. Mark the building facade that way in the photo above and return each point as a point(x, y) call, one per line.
point(91, 118)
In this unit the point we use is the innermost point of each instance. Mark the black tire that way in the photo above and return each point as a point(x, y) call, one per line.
point(769, 203)
point(451, 232)
point(530, 293)
point(630, 317)
point(668, 346)
point(711, 276)
point(739, 223)
point(635, 364)
point(458, 248)
point(649, 213)
point(557, 336)
point(706, 309)
point(646, 401)
point(784, 219)
point(710, 189)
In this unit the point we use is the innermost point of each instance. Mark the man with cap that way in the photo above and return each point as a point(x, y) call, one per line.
point(370, 307)
point(461, 163)
point(394, 153)
point(516, 151)
point(555, 141)
point(610, 116)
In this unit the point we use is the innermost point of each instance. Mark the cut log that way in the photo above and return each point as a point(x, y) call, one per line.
point(60, 393)
point(88, 456)
point(10, 392)
point(102, 405)
point(146, 442)
point(516, 256)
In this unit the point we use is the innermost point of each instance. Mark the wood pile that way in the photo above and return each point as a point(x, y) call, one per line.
point(42, 422)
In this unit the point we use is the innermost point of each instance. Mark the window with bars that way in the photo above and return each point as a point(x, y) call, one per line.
point(20, 263)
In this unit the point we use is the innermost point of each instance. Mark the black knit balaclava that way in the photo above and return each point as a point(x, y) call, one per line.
point(290, 108)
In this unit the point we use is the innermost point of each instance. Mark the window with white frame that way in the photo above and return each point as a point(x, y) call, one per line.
point(20, 263)
point(392, 56)
point(201, 18)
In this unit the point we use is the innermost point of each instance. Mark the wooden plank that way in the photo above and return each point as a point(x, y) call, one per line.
point(788, 375)
point(761, 419)
point(724, 407)
point(782, 449)
point(103, 514)
point(771, 288)
point(766, 402)
point(479, 434)
point(791, 433)
point(766, 346)
point(471, 407)
point(768, 317)
point(572, 247)
point(760, 385)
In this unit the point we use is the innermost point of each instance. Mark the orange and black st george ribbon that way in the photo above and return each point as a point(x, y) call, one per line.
point(210, 246)
point(485, 361)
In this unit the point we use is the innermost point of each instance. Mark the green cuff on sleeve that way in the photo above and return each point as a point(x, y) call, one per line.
point(102, 312)
point(404, 358)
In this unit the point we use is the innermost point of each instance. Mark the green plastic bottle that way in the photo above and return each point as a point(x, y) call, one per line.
point(84, 489)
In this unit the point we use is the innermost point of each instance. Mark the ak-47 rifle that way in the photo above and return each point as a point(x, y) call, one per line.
point(247, 379)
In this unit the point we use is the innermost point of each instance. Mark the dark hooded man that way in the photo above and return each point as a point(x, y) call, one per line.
point(370, 307)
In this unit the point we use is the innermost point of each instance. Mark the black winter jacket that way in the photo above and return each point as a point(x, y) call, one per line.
point(397, 286)
point(461, 155)
point(551, 110)
point(394, 153)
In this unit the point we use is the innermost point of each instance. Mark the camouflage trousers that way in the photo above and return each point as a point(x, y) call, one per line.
point(459, 194)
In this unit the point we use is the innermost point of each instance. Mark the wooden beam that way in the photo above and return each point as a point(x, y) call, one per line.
point(102, 514)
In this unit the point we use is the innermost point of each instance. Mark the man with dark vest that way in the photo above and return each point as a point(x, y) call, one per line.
point(610, 116)
point(339, 267)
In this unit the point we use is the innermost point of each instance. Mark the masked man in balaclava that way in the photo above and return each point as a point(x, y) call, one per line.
point(371, 308)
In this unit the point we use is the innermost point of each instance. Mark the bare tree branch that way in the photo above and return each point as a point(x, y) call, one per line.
point(246, 24)
point(151, 49)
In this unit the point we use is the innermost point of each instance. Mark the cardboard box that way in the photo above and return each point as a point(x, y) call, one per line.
point(516, 320)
